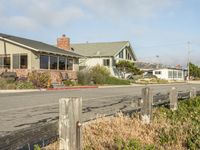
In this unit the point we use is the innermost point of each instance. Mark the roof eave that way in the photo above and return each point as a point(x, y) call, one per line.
point(11, 41)
point(44, 51)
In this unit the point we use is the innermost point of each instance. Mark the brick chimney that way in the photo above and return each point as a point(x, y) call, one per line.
point(63, 42)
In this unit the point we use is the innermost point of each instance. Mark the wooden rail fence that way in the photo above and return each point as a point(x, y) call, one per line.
point(71, 114)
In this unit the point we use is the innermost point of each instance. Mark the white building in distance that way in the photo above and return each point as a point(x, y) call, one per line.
point(170, 74)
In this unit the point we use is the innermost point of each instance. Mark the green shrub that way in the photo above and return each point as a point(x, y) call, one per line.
point(132, 144)
point(162, 81)
point(40, 80)
point(37, 147)
point(25, 85)
point(68, 83)
point(167, 136)
point(116, 81)
point(188, 115)
point(100, 74)
point(7, 84)
point(84, 77)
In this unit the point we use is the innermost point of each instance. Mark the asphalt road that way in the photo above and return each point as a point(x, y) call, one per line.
point(20, 110)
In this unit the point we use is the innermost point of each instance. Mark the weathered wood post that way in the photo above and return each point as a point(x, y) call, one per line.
point(193, 92)
point(146, 109)
point(70, 110)
point(173, 97)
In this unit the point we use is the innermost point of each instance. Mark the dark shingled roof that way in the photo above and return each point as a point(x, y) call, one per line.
point(40, 46)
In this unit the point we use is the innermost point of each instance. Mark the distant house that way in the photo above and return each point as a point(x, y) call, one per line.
point(23, 55)
point(106, 54)
point(170, 74)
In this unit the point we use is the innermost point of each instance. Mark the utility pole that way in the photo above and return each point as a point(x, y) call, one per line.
point(157, 66)
point(188, 64)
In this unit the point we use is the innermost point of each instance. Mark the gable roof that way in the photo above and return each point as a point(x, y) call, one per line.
point(38, 46)
point(100, 49)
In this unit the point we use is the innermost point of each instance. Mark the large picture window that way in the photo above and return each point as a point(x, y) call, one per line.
point(53, 62)
point(20, 61)
point(69, 64)
point(44, 62)
point(61, 63)
point(5, 62)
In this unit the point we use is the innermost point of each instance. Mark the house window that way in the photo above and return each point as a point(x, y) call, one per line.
point(106, 62)
point(23, 62)
point(121, 54)
point(180, 74)
point(170, 74)
point(20, 61)
point(61, 63)
point(175, 74)
point(157, 72)
point(5, 61)
point(44, 62)
point(53, 62)
point(130, 58)
point(126, 54)
point(69, 64)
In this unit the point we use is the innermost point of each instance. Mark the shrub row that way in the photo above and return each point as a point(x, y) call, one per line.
point(34, 80)
point(99, 75)
point(6, 84)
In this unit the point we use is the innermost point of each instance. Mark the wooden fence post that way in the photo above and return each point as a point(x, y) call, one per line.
point(173, 96)
point(193, 92)
point(70, 110)
point(147, 100)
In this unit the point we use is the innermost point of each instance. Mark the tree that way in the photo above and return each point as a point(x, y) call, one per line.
point(127, 67)
point(194, 70)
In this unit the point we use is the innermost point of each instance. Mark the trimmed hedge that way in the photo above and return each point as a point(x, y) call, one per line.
point(116, 81)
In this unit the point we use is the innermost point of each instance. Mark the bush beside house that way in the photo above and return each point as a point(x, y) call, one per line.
point(7, 84)
point(34, 80)
point(99, 75)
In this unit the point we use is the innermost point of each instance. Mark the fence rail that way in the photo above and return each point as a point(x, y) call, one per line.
point(43, 133)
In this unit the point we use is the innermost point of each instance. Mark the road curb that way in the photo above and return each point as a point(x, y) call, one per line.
point(72, 88)
point(21, 91)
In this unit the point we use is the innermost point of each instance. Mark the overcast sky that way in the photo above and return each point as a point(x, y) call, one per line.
point(154, 27)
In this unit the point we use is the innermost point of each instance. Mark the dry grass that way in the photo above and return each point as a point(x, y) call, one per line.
point(179, 130)
point(101, 133)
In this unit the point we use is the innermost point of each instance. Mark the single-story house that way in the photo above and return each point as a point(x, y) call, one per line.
point(171, 74)
point(23, 55)
point(106, 54)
